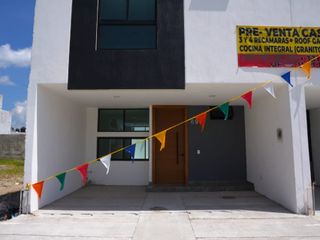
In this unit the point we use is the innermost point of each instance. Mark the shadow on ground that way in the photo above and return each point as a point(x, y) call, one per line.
point(9, 205)
point(317, 200)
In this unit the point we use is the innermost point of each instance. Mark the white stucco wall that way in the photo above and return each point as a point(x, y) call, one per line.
point(5, 122)
point(5, 119)
point(279, 168)
point(60, 144)
point(210, 35)
point(51, 39)
point(315, 142)
point(121, 173)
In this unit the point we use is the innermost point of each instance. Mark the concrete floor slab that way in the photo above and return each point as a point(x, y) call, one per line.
point(164, 201)
point(116, 226)
point(263, 228)
point(102, 198)
point(164, 226)
point(99, 212)
point(19, 237)
point(263, 238)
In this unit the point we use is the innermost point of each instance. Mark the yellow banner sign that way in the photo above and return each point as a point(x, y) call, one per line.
point(278, 40)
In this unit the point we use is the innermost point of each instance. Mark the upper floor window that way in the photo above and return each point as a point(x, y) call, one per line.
point(127, 24)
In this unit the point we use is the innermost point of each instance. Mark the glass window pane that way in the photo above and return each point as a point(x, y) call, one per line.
point(140, 151)
point(113, 9)
point(108, 145)
point(142, 10)
point(127, 36)
point(110, 120)
point(137, 120)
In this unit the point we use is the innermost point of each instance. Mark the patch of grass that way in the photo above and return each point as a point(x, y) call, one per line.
point(11, 168)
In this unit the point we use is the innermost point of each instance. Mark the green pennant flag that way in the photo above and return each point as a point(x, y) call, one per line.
point(61, 177)
point(225, 109)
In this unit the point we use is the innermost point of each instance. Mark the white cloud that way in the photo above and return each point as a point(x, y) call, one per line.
point(19, 114)
point(6, 81)
point(10, 57)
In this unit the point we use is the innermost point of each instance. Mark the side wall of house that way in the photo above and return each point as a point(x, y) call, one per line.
point(277, 155)
point(61, 143)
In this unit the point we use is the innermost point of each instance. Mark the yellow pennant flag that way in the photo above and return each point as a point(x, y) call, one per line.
point(162, 139)
point(306, 68)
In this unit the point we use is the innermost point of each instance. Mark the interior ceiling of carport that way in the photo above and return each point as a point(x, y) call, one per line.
point(194, 94)
point(313, 96)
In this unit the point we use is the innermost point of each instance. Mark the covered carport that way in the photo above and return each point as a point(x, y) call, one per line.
point(274, 143)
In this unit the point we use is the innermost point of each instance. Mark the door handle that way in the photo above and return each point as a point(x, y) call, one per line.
point(177, 146)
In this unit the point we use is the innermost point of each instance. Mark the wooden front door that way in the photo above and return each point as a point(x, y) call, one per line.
point(170, 164)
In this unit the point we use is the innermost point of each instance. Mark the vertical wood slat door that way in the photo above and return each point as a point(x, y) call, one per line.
point(170, 164)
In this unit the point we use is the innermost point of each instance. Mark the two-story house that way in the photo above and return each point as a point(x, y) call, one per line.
point(107, 73)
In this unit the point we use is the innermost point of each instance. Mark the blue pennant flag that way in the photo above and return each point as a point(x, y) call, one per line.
point(287, 78)
point(131, 150)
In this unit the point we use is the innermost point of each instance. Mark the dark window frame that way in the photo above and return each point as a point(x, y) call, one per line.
point(124, 23)
point(123, 138)
point(124, 119)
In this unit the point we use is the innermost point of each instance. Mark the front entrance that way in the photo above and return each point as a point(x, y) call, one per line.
point(170, 165)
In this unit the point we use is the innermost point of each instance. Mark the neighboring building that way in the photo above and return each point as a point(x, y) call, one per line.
point(5, 119)
point(105, 74)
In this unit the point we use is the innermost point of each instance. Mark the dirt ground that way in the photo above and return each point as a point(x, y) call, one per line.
point(11, 176)
point(10, 185)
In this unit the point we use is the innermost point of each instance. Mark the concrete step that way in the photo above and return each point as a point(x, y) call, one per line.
point(203, 187)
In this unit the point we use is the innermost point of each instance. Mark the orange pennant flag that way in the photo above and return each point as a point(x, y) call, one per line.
point(38, 188)
point(306, 68)
point(201, 118)
point(162, 139)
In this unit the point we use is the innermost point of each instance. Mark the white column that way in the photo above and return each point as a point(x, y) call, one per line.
point(300, 144)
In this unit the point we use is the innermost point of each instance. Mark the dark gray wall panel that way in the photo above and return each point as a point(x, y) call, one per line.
point(222, 147)
point(161, 68)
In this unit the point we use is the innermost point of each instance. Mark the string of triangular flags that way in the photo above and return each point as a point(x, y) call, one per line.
point(161, 136)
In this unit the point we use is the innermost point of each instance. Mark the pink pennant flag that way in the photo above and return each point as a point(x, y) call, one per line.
point(248, 97)
point(83, 169)
point(201, 118)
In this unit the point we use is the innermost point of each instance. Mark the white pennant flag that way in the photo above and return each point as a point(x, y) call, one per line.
point(106, 161)
point(270, 89)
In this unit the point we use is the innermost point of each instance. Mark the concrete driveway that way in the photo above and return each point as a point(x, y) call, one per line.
point(99, 212)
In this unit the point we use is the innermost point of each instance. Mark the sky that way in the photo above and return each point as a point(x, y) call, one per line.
point(16, 27)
